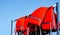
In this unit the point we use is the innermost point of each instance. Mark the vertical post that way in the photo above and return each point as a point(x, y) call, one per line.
point(11, 27)
point(19, 33)
point(35, 30)
point(50, 29)
point(40, 30)
point(57, 18)
point(40, 27)
point(15, 33)
point(21, 30)
point(28, 31)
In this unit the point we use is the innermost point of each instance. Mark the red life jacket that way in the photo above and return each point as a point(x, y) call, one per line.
point(42, 15)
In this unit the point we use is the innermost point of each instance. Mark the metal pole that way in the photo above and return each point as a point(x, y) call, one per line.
point(40, 31)
point(57, 11)
point(21, 30)
point(35, 30)
point(40, 28)
point(11, 27)
point(50, 29)
point(15, 33)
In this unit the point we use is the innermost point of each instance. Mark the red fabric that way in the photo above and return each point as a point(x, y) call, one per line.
point(38, 13)
point(49, 20)
point(20, 23)
point(42, 14)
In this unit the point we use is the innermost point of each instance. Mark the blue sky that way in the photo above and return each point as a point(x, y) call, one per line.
point(13, 9)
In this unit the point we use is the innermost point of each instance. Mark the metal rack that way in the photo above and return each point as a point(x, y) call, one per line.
point(57, 11)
